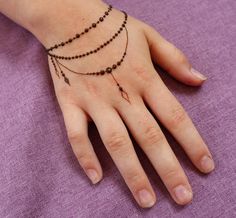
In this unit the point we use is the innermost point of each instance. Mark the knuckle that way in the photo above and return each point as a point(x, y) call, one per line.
point(177, 116)
point(83, 157)
point(171, 174)
point(116, 141)
point(92, 89)
point(134, 178)
point(181, 58)
point(153, 135)
point(66, 97)
point(146, 76)
point(76, 137)
point(64, 93)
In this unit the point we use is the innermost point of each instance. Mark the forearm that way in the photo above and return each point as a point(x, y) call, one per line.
point(46, 18)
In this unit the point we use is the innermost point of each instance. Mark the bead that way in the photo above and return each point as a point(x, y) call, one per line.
point(120, 88)
point(77, 35)
point(106, 13)
point(86, 30)
point(94, 25)
point(109, 70)
point(118, 63)
point(102, 72)
point(101, 19)
point(70, 40)
point(62, 44)
point(114, 66)
point(98, 73)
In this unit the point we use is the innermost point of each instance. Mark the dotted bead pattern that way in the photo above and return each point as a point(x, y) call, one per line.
point(107, 70)
point(86, 30)
point(95, 50)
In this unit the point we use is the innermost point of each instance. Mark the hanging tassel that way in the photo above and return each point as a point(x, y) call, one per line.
point(65, 78)
point(123, 93)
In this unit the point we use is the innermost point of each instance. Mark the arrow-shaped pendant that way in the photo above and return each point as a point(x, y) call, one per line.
point(65, 78)
point(124, 93)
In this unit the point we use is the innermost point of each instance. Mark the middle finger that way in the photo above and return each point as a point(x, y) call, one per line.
point(148, 134)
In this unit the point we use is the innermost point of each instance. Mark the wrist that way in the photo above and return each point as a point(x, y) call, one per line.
point(55, 22)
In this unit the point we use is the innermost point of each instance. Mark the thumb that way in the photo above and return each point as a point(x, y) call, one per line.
point(172, 59)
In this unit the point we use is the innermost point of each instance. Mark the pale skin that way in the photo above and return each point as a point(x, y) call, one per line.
point(97, 99)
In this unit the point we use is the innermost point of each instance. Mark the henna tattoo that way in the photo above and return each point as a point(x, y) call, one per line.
point(95, 50)
point(58, 66)
point(86, 30)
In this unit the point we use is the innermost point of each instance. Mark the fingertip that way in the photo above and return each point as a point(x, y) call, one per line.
point(198, 75)
point(190, 77)
point(146, 199)
point(207, 164)
point(93, 176)
point(182, 195)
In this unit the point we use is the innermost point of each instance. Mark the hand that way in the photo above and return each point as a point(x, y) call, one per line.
point(96, 98)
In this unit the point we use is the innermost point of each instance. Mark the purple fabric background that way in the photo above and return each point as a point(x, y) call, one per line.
point(39, 175)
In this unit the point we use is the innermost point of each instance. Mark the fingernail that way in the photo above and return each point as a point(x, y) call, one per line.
point(182, 194)
point(92, 174)
point(146, 199)
point(207, 164)
point(198, 74)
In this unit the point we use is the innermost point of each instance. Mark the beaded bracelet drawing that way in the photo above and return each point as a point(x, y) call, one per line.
point(86, 30)
point(94, 50)
point(58, 66)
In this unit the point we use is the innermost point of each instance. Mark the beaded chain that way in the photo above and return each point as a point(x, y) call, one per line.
point(58, 66)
